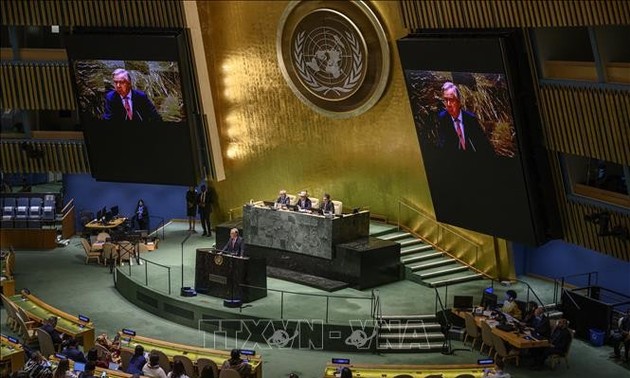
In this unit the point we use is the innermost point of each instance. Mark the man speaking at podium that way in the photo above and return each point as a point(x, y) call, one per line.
point(126, 104)
point(235, 246)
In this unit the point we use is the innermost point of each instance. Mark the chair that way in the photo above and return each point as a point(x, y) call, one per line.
point(9, 307)
point(21, 213)
point(501, 350)
point(203, 362)
point(125, 357)
point(486, 338)
point(35, 213)
point(102, 352)
point(48, 209)
point(471, 329)
point(292, 199)
point(164, 361)
point(110, 255)
point(102, 236)
point(314, 203)
point(8, 212)
point(9, 264)
point(229, 373)
point(90, 253)
point(46, 346)
point(338, 207)
point(554, 359)
point(27, 332)
point(126, 251)
point(189, 368)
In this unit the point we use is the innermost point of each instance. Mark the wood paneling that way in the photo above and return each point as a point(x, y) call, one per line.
point(99, 13)
point(437, 14)
point(55, 156)
point(36, 86)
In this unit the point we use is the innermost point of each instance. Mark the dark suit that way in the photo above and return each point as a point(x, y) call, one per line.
point(541, 326)
point(204, 202)
point(327, 207)
point(284, 201)
point(74, 354)
point(304, 204)
point(142, 108)
point(54, 335)
point(235, 246)
point(476, 140)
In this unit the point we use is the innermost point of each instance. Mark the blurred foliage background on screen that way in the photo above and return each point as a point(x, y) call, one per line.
point(159, 80)
point(485, 95)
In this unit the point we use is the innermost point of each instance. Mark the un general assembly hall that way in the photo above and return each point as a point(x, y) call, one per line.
point(315, 188)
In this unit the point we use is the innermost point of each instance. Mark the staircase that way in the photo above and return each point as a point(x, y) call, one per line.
point(424, 264)
point(409, 333)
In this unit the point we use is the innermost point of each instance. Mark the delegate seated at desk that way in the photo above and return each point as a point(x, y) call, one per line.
point(283, 200)
point(327, 207)
point(235, 245)
point(304, 203)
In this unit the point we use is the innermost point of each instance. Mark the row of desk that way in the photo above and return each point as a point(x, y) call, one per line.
point(515, 339)
point(411, 371)
point(171, 349)
point(71, 325)
point(11, 352)
point(84, 331)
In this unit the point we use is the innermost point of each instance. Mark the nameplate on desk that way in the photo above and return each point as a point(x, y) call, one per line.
point(84, 318)
point(217, 279)
point(128, 332)
point(13, 340)
point(248, 352)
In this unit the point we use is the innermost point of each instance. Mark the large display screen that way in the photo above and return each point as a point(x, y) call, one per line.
point(471, 133)
point(135, 100)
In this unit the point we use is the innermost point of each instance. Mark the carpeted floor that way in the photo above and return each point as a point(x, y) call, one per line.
point(61, 278)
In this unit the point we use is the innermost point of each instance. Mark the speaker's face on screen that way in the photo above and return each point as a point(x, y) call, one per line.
point(122, 85)
point(451, 102)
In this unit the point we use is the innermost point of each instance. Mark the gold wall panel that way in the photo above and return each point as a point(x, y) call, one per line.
point(101, 13)
point(438, 14)
point(270, 140)
point(36, 86)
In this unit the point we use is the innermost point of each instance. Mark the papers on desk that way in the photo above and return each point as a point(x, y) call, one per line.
point(487, 313)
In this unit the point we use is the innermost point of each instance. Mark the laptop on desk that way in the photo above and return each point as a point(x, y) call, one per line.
point(463, 302)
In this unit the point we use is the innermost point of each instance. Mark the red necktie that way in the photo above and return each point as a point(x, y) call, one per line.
point(127, 108)
point(460, 135)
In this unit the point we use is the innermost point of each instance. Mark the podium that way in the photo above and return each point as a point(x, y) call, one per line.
point(221, 275)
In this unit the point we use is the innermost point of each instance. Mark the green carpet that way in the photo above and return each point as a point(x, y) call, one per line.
point(61, 278)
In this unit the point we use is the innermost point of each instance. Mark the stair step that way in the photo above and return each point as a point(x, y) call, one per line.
point(420, 336)
point(448, 281)
point(409, 242)
point(415, 248)
point(443, 272)
point(394, 236)
point(424, 317)
point(409, 324)
point(421, 257)
point(433, 264)
point(377, 229)
point(416, 347)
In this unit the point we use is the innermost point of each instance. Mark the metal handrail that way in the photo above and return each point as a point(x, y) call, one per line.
point(327, 296)
point(559, 282)
point(146, 272)
point(440, 227)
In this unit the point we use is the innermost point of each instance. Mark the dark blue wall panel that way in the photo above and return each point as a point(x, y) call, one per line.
point(558, 258)
point(166, 201)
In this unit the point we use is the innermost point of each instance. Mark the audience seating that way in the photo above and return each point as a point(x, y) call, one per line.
point(229, 373)
point(486, 338)
point(125, 357)
point(21, 213)
point(26, 210)
point(46, 346)
point(189, 368)
point(471, 329)
point(502, 352)
point(164, 361)
point(338, 207)
point(554, 359)
point(8, 212)
point(203, 362)
point(90, 253)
